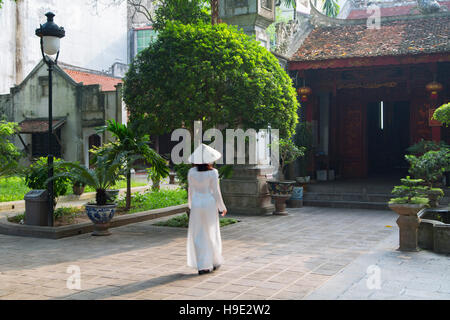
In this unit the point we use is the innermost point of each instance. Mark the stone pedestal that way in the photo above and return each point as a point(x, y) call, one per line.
point(280, 205)
point(246, 192)
point(409, 226)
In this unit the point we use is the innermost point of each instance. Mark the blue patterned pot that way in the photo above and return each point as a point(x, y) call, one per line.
point(101, 217)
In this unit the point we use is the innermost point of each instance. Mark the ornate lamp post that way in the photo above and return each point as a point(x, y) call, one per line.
point(50, 34)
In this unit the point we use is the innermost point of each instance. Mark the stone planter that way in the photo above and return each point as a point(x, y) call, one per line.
point(408, 223)
point(302, 180)
point(78, 190)
point(280, 192)
point(101, 217)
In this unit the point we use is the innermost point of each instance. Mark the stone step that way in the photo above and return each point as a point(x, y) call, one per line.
point(358, 197)
point(347, 204)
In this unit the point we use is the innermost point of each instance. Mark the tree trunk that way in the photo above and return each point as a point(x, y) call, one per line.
point(214, 12)
point(128, 197)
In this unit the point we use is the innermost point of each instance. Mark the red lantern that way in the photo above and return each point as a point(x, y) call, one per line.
point(434, 87)
point(304, 92)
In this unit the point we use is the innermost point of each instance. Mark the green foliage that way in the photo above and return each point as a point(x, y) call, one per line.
point(289, 152)
point(36, 176)
point(410, 192)
point(430, 166)
point(155, 200)
point(442, 114)
point(426, 145)
point(1, 3)
point(105, 174)
point(12, 189)
point(215, 74)
point(304, 138)
point(132, 146)
point(9, 155)
point(182, 11)
point(331, 8)
point(182, 221)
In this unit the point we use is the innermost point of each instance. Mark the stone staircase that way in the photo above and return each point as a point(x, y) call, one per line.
point(353, 194)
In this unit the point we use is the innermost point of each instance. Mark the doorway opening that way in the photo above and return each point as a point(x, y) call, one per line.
point(388, 137)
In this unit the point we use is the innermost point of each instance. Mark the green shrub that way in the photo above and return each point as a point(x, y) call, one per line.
point(37, 174)
point(442, 114)
point(182, 221)
point(410, 192)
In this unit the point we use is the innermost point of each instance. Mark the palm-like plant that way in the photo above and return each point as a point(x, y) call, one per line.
point(104, 174)
point(130, 146)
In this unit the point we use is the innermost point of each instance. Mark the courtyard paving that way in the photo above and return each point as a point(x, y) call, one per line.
point(314, 253)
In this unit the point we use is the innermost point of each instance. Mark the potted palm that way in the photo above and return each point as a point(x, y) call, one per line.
point(78, 188)
point(132, 146)
point(408, 202)
point(102, 176)
point(281, 189)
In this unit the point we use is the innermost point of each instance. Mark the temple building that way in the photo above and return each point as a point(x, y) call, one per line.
point(371, 83)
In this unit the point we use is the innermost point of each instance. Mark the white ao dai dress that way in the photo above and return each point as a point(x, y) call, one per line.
point(204, 244)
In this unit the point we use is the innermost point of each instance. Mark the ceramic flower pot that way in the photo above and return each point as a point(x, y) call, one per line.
point(101, 216)
point(78, 190)
point(280, 192)
point(172, 178)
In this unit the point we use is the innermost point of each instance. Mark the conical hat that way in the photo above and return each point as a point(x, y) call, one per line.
point(204, 154)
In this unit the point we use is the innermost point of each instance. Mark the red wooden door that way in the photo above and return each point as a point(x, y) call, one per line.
point(352, 137)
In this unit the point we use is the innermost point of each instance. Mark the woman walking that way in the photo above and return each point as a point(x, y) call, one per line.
point(204, 244)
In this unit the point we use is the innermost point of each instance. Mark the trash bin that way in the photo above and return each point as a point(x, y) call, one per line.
point(36, 208)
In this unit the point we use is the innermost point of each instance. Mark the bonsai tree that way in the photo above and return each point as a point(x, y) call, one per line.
point(289, 152)
point(9, 155)
point(410, 192)
point(423, 146)
point(212, 73)
point(36, 177)
point(442, 114)
point(132, 146)
point(431, 167)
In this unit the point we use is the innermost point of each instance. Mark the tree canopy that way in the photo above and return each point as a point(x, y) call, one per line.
point(212, 73)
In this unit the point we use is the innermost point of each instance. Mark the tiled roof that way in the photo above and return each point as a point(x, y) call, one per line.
point(391, 11)
point(398, 37)
point(106, 83)
point(39, 125)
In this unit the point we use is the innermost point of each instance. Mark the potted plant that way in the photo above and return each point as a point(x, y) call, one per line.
point(78, 188)
point(102, 176)
point(408, 202)
point(282, 189)
point(431, 167)
point(303, 138)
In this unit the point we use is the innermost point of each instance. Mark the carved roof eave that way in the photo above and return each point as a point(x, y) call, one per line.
point(319, 19)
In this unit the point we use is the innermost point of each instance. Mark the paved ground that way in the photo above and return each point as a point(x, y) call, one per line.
point(312, 253)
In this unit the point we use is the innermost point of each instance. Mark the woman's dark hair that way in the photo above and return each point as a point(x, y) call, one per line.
point(204, 167)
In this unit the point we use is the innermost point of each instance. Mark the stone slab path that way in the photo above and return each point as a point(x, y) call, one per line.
point(269, 257)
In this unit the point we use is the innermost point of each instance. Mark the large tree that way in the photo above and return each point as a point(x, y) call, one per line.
point(212, 73)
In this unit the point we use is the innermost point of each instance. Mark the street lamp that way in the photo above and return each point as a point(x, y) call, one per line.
point(50, 34)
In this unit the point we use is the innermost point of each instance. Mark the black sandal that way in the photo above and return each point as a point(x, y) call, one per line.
point(203, 271)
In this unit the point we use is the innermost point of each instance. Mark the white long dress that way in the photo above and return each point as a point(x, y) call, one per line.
point(204, 244)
